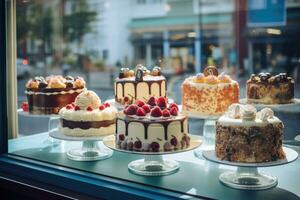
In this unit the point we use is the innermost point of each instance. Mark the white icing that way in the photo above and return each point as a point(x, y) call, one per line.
point(224, 120)
point(108, 113)
point(78, 132)
point(55, 93)
point(88, 98)
point(265, 114)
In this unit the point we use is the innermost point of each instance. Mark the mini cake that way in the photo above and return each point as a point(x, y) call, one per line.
point(47, 95)
point(139, 84)
point(244, 135)
point(267, 89)
point(87, 117)
point(152, 127)
point(209, 93)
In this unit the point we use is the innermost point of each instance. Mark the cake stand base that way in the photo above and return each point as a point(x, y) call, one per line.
point(153, 165)
point(89, 151)
point(248, 178)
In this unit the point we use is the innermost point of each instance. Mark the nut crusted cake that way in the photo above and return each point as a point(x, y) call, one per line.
point(209, 93)
point(244, 135)
point(139, 84)
point(87, 117)
point(266, 89)
point(47, 95)
point(152, 126)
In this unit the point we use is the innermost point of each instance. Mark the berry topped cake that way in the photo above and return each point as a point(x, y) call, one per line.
point(47, 95)
point(139, 84)
point(266, 89)
point(152, 126)
point(245, 135)
point(209, 93)
point(88, 117)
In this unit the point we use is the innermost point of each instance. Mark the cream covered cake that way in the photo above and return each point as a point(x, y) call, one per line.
point(245, 135)
point(152, 126)
point(47, 95)
point(139, 84)
point(209, 93)
point(87, 117)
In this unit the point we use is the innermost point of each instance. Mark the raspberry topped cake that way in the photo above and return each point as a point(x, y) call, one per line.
point(139, 84)
point(47, 95)
point(267, 89)
point(152, 126)
point(209, 93)
point(88, 117)
point(245, 135)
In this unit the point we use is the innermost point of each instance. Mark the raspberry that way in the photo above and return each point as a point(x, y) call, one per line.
point(69, 107)
point(89, 108)
point(166, 113)
point(174, 141)
point(156, 112)
point(155, 146)
point(138, 144)
point(131, 110)
point(121, 137)
point(152, 101)
point(174, 111)
point(146, 108)
point(126, 99)
point(161, 100)
point(24, 106)
point(77, 108)
point(106, 104)
point(139, 103)
point(140, 112)
point(173, 105)
point(102, 107)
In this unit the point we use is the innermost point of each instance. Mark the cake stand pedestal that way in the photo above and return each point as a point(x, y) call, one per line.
point(89, 150)
point(153, 163)
point(247, 176)
point(52, 125)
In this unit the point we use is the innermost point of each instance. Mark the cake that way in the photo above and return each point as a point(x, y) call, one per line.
point(139, 84)
point(87, 117)
point(266, 89)
point(209, 93)
point(154, 126)
point(47, 95)
point(244, 135)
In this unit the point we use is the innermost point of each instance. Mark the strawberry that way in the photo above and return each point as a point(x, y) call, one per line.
point(162, 102)
point(89, 108)
point(121, 137)
point(126, 99)
point(174, 141)
point(155, 146)
point(174, 111)
point(106, 104)
point(173, 105)
point(102, 107)
point(156, 112)
point(139, 103)
point(140, 112)
point(146, 108)
point(24, 106)
point(166, 113)
point(131, 110)
point(152, 101)
point(69, 107)
point(138, 144)
point(77, 108)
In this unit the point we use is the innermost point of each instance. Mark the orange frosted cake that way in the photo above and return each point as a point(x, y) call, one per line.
point(209, 93)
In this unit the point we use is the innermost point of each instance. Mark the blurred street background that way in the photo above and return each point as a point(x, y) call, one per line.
point(95, 38)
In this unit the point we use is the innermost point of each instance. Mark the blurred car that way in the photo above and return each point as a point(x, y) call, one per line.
point(23, 68)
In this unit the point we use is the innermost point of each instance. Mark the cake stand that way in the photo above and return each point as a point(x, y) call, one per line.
point(52, 124)
point(247, 176)
point(274, 106)
point(120, 106)
point(153, 163)
point(89, 151)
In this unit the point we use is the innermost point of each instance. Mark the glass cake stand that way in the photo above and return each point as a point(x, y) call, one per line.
point(153, 163)
point(247, 176)
point(52, 124)
point(89, 151)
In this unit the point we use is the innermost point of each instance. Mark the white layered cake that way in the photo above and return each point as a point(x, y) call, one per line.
point(245, 135)
point(139, 84)
point(152, 127)
point(87, 117)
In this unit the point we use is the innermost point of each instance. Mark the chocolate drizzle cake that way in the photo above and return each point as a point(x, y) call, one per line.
point(266, 89)
point(47, 95)
point(242, 135)
point(153, 126)
point(139, 84)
